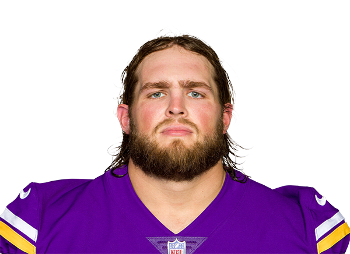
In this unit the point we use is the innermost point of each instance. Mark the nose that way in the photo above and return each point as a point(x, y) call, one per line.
point(176, 106)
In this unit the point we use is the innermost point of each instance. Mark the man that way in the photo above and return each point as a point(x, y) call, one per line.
point(173, 187)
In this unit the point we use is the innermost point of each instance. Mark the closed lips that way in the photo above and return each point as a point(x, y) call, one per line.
point(179, 129)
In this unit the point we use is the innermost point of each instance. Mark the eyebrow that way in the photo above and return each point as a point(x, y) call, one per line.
point(183, 84)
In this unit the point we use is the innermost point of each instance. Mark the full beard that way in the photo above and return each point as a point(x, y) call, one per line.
point(176, 162)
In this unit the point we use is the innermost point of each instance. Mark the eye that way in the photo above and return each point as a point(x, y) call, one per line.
point(157, 95)
point(194, 94)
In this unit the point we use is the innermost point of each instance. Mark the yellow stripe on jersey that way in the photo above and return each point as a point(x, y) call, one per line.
point(19, 224)
point(334, 237)
point(327, 226)
point(13, 237)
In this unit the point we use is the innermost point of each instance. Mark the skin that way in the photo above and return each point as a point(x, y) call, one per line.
point(175, 84)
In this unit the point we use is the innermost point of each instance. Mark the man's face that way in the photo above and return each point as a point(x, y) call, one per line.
point(176, 97)
point(176, 122)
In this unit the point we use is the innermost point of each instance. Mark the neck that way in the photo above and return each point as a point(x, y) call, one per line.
point(177, 204)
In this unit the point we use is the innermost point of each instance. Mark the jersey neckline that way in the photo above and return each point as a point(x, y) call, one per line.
point(228, 199)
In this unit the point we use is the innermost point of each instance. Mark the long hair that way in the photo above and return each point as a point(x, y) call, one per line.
point(221, 78)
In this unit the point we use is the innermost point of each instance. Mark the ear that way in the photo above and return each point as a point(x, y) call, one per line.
point(227, 115)
point(123, 117)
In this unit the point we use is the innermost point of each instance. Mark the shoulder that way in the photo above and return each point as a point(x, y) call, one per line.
point(326, 225)
point(277, 198)
point(21, 219)
point(302, 208)
point(331, 230)
point(261, 203)
point(321, 211)
point(299, 210)
point(31, 198)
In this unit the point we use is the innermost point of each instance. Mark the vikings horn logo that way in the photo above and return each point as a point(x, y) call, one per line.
point(176, 247)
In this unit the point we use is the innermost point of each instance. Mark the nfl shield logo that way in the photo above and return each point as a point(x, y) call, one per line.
point(177, 247)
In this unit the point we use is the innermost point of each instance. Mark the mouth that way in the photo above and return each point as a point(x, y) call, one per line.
point(176, 131)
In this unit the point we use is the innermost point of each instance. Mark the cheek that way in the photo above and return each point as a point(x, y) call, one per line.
point(207, 117)
point(145, 117)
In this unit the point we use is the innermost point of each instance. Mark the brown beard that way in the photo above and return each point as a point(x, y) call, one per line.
point(176, 162)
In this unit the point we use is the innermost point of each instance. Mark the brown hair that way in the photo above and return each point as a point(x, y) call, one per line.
point(221, 78)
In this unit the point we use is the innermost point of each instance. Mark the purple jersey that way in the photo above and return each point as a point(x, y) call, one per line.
point(106, 216)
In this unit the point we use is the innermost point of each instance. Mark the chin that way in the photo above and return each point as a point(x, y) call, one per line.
point(176, 142)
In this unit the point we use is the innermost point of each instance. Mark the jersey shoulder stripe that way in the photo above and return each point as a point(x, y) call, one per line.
point(10, 235)
point(327, 225)
point(19, 224)
point(334, 237)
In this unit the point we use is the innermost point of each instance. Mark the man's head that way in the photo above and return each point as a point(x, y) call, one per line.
point(176, 104)
point(187, 42)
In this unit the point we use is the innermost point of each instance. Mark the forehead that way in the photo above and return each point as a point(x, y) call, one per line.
point(175, 63)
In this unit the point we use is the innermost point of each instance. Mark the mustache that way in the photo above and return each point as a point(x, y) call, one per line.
point(183, 121)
